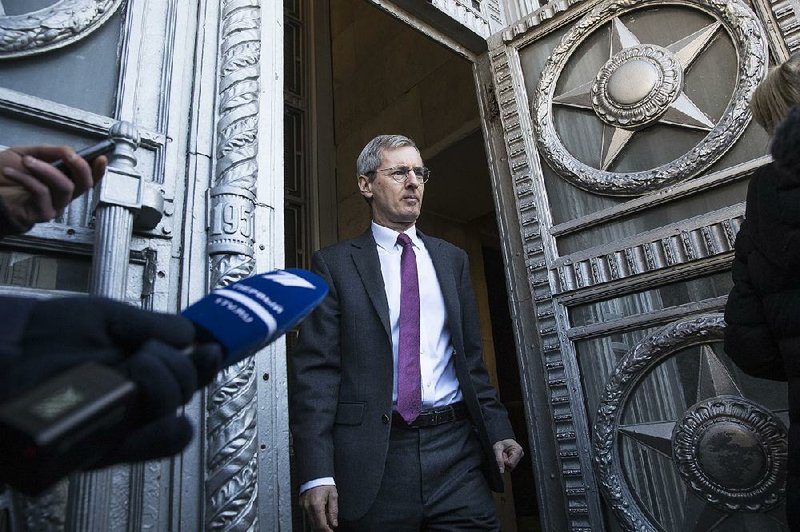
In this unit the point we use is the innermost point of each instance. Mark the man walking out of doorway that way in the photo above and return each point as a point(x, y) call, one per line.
point(395, 423)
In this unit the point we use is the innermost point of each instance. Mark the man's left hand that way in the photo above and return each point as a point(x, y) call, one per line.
point(507, 453)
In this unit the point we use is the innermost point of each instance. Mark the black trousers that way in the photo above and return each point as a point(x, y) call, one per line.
point(432, 481)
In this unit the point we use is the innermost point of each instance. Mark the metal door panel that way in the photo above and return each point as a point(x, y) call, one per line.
point(192, 77)
point(61, 76)
point(630, 215)
point(71, 83)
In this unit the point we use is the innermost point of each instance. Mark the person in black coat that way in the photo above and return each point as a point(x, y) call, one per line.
point(762, 314)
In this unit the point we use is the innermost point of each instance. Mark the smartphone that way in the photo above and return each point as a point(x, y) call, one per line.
point(90, 154)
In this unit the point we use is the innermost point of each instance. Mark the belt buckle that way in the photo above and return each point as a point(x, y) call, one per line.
point(443, 415)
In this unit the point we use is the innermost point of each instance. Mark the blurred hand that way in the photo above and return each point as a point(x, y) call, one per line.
point(321, 505)
point(146, 347)
point(34, 191)
point(166, 379)
point(507, 453)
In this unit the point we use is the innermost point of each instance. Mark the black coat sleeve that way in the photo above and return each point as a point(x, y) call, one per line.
point(494, 413)
point(316, 375)
point(14, 314)
point(748, 339)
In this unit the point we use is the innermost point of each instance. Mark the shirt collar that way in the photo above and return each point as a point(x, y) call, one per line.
point(387, 238)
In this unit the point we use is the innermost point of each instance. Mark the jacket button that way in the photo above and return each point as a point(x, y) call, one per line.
point(385, 419)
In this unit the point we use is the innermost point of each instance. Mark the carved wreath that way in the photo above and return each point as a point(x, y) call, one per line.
point(59, 25)
point(754, 486)
point(627, 373)
point(749, 39)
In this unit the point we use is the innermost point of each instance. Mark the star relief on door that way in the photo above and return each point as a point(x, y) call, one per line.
point(641, 85)
point(58, 25)
point(729, 451)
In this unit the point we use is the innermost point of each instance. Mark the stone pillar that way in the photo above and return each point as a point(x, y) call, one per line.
point(231, 490)
point(119, 199)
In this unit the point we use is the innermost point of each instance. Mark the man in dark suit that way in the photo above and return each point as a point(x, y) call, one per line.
point(395, 424)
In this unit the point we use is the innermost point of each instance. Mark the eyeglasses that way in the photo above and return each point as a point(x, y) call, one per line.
point(400, 173)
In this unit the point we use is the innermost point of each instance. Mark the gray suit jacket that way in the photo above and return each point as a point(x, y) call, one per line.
point(341, 392)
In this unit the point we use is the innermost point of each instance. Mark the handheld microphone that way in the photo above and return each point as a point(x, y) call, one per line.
point(248, 315)
point(66, 423)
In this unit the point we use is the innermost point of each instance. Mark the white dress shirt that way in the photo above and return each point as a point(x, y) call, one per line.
point(439, 382)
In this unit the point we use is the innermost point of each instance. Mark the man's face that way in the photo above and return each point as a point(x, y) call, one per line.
point(395, 205)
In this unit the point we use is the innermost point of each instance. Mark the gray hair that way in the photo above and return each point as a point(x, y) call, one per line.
point(371, 156)
point(774, 96)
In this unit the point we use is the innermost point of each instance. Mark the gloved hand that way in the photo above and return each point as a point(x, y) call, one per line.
point(166, 379)
point(144, 346)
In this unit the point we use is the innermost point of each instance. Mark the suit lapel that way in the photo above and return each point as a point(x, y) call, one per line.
point(365, 258)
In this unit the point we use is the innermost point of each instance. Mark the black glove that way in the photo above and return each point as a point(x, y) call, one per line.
point(144, 346)
point(165, 380)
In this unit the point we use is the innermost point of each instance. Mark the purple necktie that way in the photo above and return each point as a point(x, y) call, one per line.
point(409, 394)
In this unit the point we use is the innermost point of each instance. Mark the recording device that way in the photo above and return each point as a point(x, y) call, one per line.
point(89, 154)
point(67, 423)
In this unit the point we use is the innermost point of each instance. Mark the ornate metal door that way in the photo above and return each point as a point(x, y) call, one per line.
point(627, 136)
point(192, 200)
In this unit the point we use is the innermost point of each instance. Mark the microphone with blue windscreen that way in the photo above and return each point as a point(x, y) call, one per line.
point(248, 315)
point(65, 423)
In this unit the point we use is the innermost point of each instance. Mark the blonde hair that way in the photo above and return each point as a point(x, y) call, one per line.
point(774, 96)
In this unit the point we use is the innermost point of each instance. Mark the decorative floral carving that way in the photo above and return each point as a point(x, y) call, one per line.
point(640, 113)
point(733, 453)
point(58, 25)
point(627, 374)
point(231, 432)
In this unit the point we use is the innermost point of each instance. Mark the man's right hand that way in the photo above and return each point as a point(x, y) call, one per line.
point(322, 507)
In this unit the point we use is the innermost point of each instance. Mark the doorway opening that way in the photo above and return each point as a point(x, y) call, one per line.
point(369, 74)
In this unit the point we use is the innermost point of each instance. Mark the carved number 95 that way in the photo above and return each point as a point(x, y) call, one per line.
point(229, 219)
